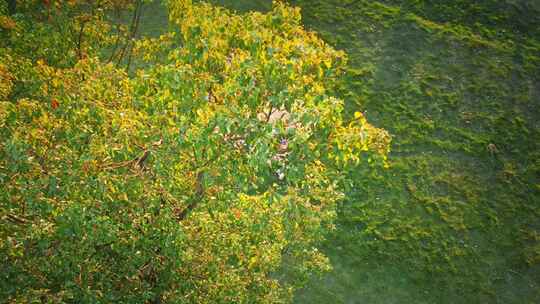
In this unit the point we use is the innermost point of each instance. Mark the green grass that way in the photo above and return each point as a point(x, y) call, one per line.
point(455, 219)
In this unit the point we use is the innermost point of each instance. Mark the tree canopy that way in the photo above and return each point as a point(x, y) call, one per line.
point(208, 175)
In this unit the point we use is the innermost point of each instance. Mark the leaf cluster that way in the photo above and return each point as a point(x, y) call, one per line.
point(197, 180)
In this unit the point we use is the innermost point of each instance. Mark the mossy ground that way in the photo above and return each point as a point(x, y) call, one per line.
point(455, 219)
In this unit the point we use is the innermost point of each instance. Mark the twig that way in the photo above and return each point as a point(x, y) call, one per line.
point(138, 161)
point(199, 193)
point(79, 40)
point(17, 219)
point(136, 28)
point(116, 44)
point(269, 113)
point(132, 29)
point(143, 158)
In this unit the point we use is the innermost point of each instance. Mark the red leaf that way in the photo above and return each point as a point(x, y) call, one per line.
point(54, 103)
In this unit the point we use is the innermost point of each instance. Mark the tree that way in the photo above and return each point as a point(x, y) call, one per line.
point(210, 176)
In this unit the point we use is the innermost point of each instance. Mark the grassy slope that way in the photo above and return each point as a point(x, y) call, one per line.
point(456, 217)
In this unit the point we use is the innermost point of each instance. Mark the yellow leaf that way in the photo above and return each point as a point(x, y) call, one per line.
point(328, 63)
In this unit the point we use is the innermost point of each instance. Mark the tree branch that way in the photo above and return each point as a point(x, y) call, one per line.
point(132, 30)
point(199, 194)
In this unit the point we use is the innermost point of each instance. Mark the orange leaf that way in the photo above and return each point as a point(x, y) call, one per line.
point(54, 103)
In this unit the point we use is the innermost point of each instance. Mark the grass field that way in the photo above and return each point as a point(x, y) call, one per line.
point(456, 217)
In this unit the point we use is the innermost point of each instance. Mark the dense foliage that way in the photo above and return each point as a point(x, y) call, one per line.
point(209, 176)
